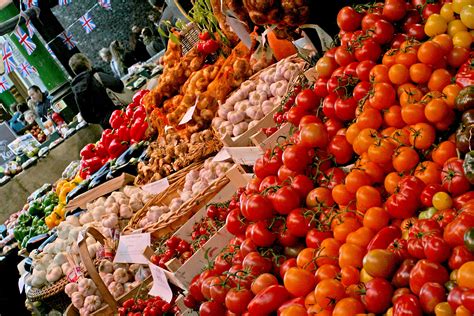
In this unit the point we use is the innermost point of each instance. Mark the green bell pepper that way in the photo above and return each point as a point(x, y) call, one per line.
point(35, 208)
point(49, 209)
point(469, 239)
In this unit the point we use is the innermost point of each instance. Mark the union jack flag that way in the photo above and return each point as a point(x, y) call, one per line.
point(30, 3)
point(25, 40)
point(68, 40)
point(65, 2)
point(31, 29)
point(87, 24)
point(7, 57)
point(106, 4)
point(50, 51)
point(26, 69)
point(4, 85)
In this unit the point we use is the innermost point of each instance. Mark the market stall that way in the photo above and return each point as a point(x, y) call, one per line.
point(262, 177)
point(13, 194)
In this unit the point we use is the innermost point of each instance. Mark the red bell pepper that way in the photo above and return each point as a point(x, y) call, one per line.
point(138, 130)
point(130, 110)
point(123, 133)
point(107, 136)
point(384, 238)
point(88, 151)
point(137, 97)
point(92, 164)
point(101, 150)
point(116, 148)
point(465, 74)
point(117, 119)
point(139, 113)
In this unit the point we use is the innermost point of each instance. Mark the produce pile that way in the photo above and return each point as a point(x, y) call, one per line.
point(372, 212)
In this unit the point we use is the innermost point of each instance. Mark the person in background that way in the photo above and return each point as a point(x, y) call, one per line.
point(106, 56)
point(89, 88)
point(17, 122)
point(152, 45)
point(136, 44)
point(30, 117)
point(41, 100)
point(121, 59)
point(169, 12)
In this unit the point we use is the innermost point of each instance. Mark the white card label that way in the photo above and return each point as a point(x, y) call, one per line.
point(188, 115)
point(21, 282)
point(238, 27)
point(222, 155)
point(244, 155)
point(131, 247)
point(160, 286)
point(157, 186)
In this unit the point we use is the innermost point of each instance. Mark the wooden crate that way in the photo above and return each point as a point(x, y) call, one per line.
point(263, 142)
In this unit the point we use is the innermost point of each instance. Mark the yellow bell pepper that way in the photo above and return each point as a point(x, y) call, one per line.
point(59, 185)
point(49, 221)
point(77, 179)
point(64, 191)
point(60, 209)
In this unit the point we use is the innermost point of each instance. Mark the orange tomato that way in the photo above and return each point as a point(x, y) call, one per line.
point(379, 73)
point(343, 229)
point(355, 179)
point(262, 282)
point(409, 95)
point(366, 197)
point(374, 170)
point(405, 158)
point(400, 137)
point(465, 277)
point(348, 306)
point(351, 255)
point(413, 113)
point(430, 53)
point(294, 310)
point(388, 58)
point(436, 110)
point(369, 118)
point(445, 42)
point(393, 116)
point(391, 182)
point(351, 133)
point(328, 252)
point(349, 275)
point(363, 141)
point(398, 74)
point(443, 152)
point(361, 237)
point(341, 195)
point(457, 56)
point(439, 79)
point(422, 136)
point(306, 259)
point(328, 292)
point(299, 282)
point(429, 172)
point(406, 58)
point(420, 73)
point(381, 151)
point(376, 218)
point(327, 271)
point(450, 93)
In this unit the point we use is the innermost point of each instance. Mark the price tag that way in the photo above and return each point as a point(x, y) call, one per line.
point(74, 275)
point(244, 155)
point(157, 186)
point(188, 115)
point(21, 282)
point(131, 247)
point(160, 286)
point(80, 236)
point(222, 155)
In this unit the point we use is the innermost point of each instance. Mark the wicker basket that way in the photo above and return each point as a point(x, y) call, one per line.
point(244, 140)
point(179, 217)
point(112, 304)
point(52, 295)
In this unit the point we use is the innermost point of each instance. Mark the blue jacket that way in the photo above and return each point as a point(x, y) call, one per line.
point(15, 122)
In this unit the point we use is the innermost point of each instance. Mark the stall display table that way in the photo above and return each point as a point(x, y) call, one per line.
point(13, 194)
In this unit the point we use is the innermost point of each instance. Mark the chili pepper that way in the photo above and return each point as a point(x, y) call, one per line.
point(384, 238)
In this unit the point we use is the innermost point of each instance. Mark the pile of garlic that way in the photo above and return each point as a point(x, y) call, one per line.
point(119, 278)
point(52, 263)
point(118, 205)
point(196, 181)
point(255, 99)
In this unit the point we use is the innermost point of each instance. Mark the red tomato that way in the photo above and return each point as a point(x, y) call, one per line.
point(307, 100)
point(237, 300)
point(407, 305)
point(430, 295)
point(261, 235)
point(296, 157)
point(211, 308)
point(348, 19)
point(453, 177)
point(313, 135)
point(268, 300)
point(378, 295)
point(341, 150)
point(383, 32)
point(345, 108)
point(285, 199)
point(426, 271)
point(394, 10)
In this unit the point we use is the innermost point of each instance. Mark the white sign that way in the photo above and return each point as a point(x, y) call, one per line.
point(21, 282)
point(160, 286)
point(131, 247)
point(188, 116)
point(222, 155)
point(244, 155)
point(157, 186)
point(239, 28)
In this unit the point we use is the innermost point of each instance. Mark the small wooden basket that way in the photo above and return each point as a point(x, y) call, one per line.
point(112, 304)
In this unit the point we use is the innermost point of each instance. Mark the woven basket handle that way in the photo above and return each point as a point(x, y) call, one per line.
point(91, 269)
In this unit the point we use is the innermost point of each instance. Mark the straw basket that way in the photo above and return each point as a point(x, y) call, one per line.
point(52, 295)
point(112, 304)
